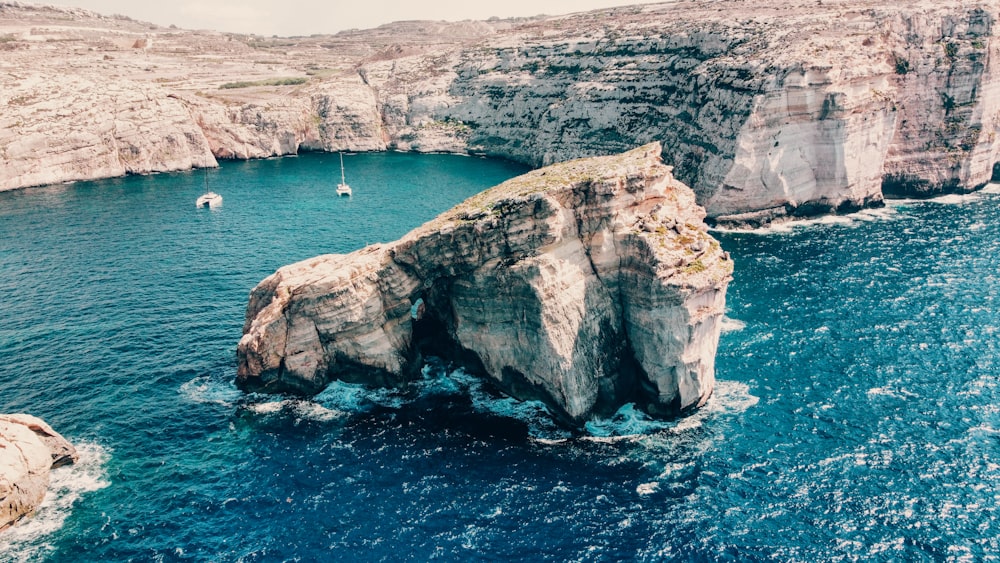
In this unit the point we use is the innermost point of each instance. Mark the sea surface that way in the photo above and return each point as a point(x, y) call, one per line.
point(856, 416)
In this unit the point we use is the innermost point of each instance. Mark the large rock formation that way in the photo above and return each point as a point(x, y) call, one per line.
point(586, 284)
point(767, 109)
point(29, 448)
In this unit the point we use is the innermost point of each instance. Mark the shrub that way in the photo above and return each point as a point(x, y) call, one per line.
point(951, 50)
point(271, 82)
point(902, 65)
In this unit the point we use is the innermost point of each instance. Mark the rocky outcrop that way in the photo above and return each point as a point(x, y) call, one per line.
point(587, 284)
point(766, 109)
point(29, 448)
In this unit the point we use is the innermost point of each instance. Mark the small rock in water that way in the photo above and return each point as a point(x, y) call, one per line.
point(29, 449)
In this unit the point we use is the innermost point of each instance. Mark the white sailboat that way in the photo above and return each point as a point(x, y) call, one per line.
point(209, 199)
point(342, 187)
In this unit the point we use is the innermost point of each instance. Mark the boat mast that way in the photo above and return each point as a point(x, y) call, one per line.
point(342, 180)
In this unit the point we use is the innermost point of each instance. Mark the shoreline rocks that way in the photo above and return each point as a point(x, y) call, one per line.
point(29, 449)
point(588, 284)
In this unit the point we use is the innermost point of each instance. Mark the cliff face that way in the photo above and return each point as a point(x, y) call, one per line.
point(83, 126)
point(587, 284)
point(766, 109)
point(948, 82)
point(29, 448)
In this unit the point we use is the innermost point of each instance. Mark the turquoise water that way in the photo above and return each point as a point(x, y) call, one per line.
point(856, 416)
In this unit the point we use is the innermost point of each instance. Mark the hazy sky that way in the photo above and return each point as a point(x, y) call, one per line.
point(304, 17)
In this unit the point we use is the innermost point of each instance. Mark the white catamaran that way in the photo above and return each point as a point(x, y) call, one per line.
point(342, 187)
point(210, 199)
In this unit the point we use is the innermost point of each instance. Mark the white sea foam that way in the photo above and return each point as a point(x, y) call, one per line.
point(729, 398)
point(956, 199)
point(647, 488)
point(732, 325)
point(29, 540)
point(887, 391)
point(207, 389)
point(343, 399)
point(952, 199)
point(628, 421)
point(342, 396)
point(309, 410)
point(301, 409)
point(356, 398)
point(984, 429)
point(439, 381)
point(541, 425)
point(876, 214)
point(789, 226)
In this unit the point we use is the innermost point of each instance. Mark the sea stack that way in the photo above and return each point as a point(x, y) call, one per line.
point(587, 284)
point(29, 449)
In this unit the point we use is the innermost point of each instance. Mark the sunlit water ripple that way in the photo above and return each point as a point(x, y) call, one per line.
point(855, 418)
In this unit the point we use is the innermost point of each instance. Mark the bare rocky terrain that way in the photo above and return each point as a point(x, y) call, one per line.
point(766, 109)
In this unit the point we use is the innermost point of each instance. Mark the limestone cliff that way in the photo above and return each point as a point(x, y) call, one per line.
point(766, 109)
point(83, 127)
point(587, 284)
point(29, 448)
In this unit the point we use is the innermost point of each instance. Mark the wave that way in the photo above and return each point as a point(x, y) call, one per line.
point(341, 399)
point(300, 409)
point(857, 218)
point(29, 540)
point(985, 429)
point(338, 400)
point(950, 199)
point(895, 393)
point(729, 398)
point(627, 422)
point(955, 199)
point(535, 415)
point(732, 325)
point(207, 389)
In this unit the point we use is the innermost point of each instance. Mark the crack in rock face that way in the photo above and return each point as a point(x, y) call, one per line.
point(588, 285)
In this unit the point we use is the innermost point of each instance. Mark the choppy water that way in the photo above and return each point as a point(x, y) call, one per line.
point(856, 417)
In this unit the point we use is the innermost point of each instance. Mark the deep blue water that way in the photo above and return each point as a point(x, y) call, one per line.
point(857, 416)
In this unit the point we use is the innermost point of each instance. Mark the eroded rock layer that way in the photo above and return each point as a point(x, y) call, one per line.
point(587, 284)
